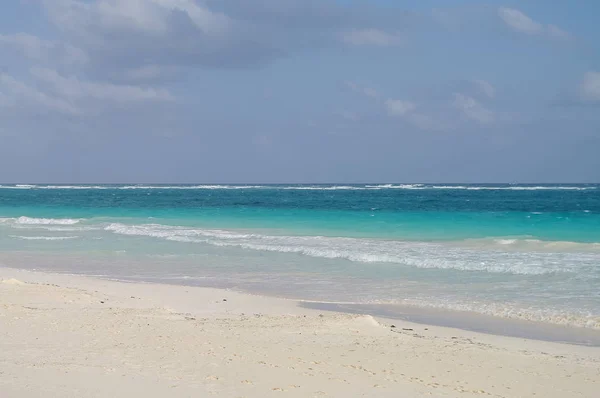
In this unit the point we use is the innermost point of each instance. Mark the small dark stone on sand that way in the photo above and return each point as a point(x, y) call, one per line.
point(408, 329)
point(224, 299)
point(393, 326)
point(102, 302)
point(426, 329)
point(321, 315)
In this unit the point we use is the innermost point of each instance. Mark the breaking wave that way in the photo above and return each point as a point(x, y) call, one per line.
point(45, 221)
point(44, 237)
point(506, 310)
point(317, 187)
point(408, 254)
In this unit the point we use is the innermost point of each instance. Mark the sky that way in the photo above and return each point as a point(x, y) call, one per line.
point(299, 91)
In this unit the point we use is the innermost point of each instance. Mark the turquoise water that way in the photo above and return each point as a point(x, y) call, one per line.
point(518, 251)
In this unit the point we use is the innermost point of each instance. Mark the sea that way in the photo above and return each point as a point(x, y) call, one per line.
point(528, 252)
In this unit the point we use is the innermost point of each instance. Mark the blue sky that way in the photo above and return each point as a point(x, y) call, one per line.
point(299, 91)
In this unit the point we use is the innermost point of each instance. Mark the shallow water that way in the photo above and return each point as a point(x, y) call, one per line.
point(528, 252)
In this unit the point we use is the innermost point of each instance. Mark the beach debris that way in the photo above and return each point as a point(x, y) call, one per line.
point(224, 299)
point(101, 302)
point(393, 326)
point(407, 329)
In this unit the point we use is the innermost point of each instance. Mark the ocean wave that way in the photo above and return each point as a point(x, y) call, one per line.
point(409, 254)
point(511, 311)
point(511, 188)
point(58, 228)
point(351, 187)
point(132, 187)
point(392, 186)
point(44, 237)
point(187, 187)
point(46, 221)
point(324, 188)
point(529, 244)
point(318, 187)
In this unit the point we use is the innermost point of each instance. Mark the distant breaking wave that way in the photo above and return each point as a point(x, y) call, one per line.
point(309, 187)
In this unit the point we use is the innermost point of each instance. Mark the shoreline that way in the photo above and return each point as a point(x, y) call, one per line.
point(469, 321)
point(429, 316)
point(76, 336)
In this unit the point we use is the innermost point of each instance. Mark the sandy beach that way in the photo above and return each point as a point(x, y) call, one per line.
point(67, 336)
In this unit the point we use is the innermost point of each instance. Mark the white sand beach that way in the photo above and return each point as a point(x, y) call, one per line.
point(66, 336)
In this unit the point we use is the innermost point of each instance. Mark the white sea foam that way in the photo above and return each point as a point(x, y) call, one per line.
point(506, 241)
point(512, 311)
point(332, 187)
point(528, 244)
point(44, 237)
point(324, 188)
point(16, 186)
point(408, 254)
point(58, 228)
point(46, 221)
point(189, 187)
point(399, 186)
point(511, 188)
point(132, 187)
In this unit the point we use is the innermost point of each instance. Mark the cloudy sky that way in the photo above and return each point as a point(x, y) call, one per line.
point(299, 91)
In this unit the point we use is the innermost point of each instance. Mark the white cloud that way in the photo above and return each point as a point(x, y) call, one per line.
point(146, 72)
point(399, 107)
point(20, 91)
point(403, 109)
point(5, 100)
point(472, 109)
point(150, 16)
point(590, 87)
point(486, 88)
point(519, 22)
point(127, 35)
point(368, 91)
point(209, 22)
point(348, 115)
point(371, 37)
point(73, 88)
point(37, 49)
point(407, 111)
point(557, 32)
